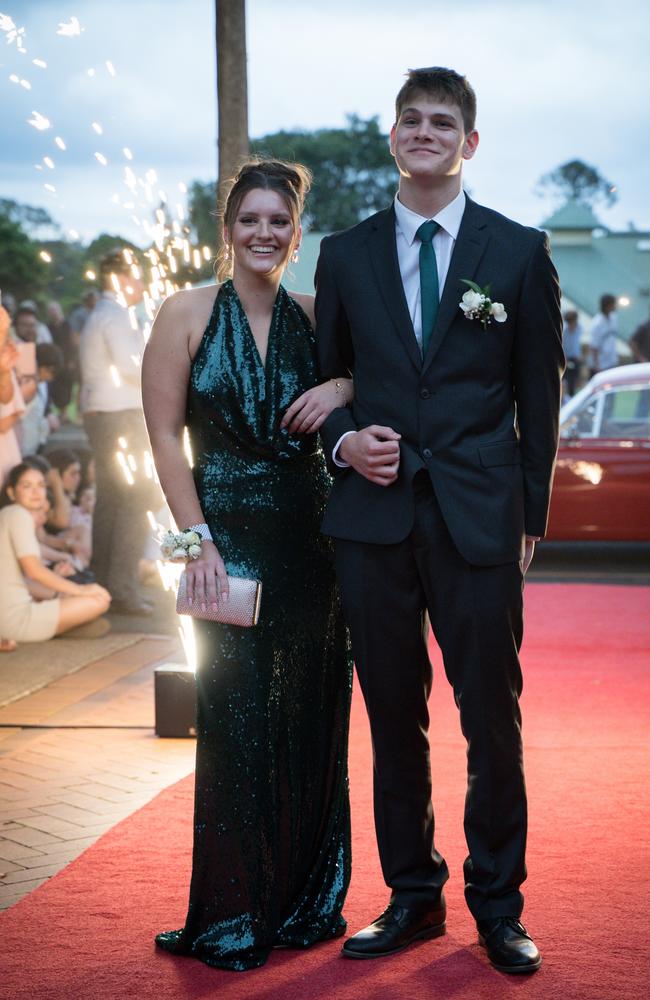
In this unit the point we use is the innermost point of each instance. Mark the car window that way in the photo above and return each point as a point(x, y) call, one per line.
point(584, 423)
point(626, 413)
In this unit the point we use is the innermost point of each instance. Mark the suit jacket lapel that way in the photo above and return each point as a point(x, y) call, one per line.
point(470, 245)
point(382, 248)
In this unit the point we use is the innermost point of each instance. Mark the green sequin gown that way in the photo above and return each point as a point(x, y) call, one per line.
point(271, 861)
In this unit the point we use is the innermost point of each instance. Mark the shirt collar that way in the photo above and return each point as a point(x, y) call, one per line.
point(448, 218)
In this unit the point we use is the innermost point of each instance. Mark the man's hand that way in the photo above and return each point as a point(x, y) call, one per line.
point(373, 453)
point(528, 552)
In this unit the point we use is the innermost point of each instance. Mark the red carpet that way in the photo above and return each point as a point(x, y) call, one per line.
point(88, 933)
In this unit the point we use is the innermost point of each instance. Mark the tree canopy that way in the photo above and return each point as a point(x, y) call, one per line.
point(22, 272)
point(578, 181)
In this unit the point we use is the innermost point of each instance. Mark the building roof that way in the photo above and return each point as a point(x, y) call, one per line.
point(592, 261)
point(572, 215)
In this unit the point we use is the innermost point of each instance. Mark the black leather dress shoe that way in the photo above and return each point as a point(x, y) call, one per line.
point(510, 947)
point(397, 928)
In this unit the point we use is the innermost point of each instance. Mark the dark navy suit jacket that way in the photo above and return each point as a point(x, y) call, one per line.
point(479, 411)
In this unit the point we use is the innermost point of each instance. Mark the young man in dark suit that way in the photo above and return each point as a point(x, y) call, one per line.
point(442, 475)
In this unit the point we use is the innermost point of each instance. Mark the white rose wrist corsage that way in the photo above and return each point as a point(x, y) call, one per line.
point(180, 546)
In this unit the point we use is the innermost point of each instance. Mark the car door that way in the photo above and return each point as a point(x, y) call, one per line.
point(602, 479)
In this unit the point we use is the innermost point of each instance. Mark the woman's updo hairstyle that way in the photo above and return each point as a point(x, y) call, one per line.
point(291, 180)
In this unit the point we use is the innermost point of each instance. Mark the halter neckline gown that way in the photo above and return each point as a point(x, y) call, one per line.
point(271, 860)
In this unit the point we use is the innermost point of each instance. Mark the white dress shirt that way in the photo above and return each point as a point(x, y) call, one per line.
point(603, 334)
point(110, 352)
point(407, 224)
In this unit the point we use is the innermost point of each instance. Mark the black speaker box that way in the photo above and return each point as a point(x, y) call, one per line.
point(175, 700)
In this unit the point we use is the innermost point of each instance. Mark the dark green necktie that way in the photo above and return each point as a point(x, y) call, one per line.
point(429, 293)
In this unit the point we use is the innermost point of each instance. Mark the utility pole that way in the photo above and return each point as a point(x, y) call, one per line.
point(232, 90)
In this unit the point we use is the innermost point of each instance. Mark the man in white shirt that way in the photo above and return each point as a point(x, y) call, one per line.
point(442, 473)
point(110, 353)
point(603, 336)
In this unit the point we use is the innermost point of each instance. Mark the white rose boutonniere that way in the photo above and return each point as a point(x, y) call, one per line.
point(477, 304)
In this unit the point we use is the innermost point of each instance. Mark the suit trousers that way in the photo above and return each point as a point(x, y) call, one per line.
point(476, 618)
point(120, 526)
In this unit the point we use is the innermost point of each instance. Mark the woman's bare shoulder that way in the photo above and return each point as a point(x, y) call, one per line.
point(191, 301)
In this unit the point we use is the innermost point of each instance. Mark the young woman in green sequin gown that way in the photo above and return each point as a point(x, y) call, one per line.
point(235, 364)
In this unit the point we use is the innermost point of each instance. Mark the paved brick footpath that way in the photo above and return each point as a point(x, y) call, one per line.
point(64, 783)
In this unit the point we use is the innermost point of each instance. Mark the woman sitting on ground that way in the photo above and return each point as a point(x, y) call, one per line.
point(66, 605)
point(62, 530)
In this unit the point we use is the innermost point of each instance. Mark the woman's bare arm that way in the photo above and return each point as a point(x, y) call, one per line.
point(166, 368)
point(33, 569)
point(165, 375)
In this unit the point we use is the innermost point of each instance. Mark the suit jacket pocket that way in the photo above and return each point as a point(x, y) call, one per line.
point(499, 453)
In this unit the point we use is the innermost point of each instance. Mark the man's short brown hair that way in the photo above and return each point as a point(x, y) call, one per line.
point(114, 262)
point(444, 84)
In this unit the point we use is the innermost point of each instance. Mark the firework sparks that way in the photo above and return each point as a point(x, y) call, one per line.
point(115, 375)
point(101, 159)
point(39, 121)
point(40, 63)
point(44, 255)
point(97, 128)
point(128, 475)
point(13, 33)
point(70, 29)
point(60, 143)
point(110, 68)
point(49, 162)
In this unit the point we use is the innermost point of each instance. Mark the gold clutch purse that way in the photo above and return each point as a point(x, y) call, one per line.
point(241, 608)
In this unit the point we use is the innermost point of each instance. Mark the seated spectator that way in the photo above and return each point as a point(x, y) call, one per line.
point(87, 462)
point(82, 510)
point(38, 421)
point(63, 479)
point(67, 553)
point(65, 607)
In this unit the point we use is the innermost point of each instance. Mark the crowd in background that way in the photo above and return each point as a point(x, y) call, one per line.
point(73, 527)
point(586, 356)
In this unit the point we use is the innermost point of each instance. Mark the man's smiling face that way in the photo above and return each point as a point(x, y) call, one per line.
point(429, 139)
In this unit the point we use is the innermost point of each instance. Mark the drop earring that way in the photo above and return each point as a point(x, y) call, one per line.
point(295, 256)
point(226, 251)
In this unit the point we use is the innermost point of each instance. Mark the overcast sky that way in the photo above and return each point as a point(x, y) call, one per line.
point(556, 80)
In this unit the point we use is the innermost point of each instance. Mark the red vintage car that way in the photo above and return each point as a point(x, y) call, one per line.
point(601, 489)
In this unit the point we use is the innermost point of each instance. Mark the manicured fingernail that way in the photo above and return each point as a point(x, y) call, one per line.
point(214, 606)
point(203, 607)
point(224, 595)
